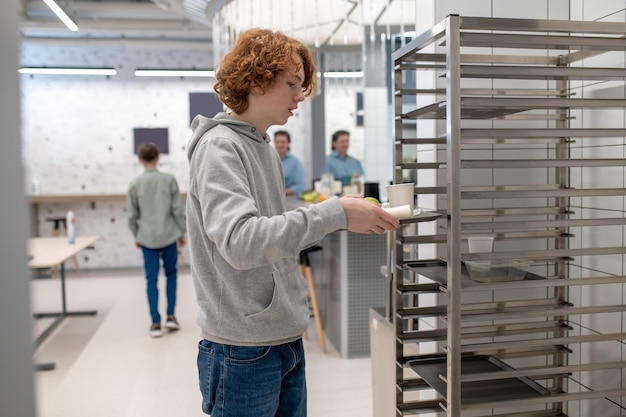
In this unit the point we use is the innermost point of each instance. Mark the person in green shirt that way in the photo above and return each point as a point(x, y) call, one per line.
point(156, 217)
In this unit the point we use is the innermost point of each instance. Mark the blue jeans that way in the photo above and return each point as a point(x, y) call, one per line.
point(151, 264)
point(252, 381)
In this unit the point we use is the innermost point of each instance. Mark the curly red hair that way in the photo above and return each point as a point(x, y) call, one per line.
point(258, 57)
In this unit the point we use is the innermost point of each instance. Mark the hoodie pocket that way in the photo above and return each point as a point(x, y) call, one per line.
point(287, 314)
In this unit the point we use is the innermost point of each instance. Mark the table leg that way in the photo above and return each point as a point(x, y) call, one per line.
point(64, 313)
point(64, 297)
point(59, 318)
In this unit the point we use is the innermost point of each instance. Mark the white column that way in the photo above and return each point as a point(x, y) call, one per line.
point(17, 396)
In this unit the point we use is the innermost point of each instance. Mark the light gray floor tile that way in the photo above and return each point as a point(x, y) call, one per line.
point(107, 365)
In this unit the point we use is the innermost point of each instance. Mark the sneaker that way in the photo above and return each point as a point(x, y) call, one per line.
point(155, 330)
point(171, 323)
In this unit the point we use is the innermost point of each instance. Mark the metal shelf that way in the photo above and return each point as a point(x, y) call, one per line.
point(493, 108)
point(489, 390)
point(480, 344)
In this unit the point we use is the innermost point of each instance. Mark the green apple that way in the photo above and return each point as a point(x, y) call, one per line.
point(372, 200)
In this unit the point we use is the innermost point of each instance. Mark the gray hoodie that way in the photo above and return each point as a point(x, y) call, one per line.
point(243, 244)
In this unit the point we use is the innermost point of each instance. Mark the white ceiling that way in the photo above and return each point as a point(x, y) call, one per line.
point(112, 21)
point(319, 23)
point(189, 23)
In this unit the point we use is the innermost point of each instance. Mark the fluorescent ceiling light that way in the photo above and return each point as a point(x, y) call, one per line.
point(67, 71)
point(343, 74)
point(173, 73)
point(71, 25)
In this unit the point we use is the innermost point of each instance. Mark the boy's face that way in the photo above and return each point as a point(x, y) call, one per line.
point(278, 103)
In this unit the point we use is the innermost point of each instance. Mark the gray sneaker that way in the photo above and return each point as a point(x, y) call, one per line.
point(155, 330)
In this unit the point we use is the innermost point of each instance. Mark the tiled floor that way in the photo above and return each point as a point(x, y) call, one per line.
point(108, 366)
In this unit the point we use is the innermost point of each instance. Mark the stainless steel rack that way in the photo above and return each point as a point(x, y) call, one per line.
point(503, 96)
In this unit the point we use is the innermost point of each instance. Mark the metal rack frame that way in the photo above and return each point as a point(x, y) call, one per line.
point(463, 55)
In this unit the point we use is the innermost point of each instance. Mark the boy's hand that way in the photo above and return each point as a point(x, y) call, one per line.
point(365, 217)
point(181, 242)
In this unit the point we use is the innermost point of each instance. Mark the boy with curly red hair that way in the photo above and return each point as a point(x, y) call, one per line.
point(244, 244)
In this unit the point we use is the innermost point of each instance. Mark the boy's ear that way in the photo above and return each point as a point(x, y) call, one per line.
point(257, 90)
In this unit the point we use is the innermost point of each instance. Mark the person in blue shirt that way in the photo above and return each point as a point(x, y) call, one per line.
point(339, 163)
point(292, 167)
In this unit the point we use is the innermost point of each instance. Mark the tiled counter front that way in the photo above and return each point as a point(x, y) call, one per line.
point(348, 283)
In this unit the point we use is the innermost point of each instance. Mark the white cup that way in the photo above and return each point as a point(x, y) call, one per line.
point(480, 244)
point(401, 195)
point(400, 212)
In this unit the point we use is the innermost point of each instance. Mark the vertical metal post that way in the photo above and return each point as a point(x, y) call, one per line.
point(318, 121)
point(561, 267)
point(453, 156)
point(396, 275)
point(63, 302)
point(390, 267)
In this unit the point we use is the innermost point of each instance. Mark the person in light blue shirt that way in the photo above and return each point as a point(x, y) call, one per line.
point(293, 169)
point(339, 163)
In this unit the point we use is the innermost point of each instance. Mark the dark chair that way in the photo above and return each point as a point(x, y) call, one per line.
point(370, 189)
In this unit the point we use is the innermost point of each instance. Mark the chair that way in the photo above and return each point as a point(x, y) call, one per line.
point(305, 269)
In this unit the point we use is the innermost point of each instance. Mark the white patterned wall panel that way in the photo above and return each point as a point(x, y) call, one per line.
point(78, 135)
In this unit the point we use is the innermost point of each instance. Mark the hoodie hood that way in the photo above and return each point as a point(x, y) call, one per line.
point(201, 124)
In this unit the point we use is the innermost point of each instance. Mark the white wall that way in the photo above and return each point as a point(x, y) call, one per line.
point(340, 105)
point(78, 135)
point(590, 207)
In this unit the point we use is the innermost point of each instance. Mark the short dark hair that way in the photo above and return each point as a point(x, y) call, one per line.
point(148, 151)
point(336, 135)
point(283, 133)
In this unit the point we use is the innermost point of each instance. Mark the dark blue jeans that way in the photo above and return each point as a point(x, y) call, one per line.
point(151, 263)
point(252, 381)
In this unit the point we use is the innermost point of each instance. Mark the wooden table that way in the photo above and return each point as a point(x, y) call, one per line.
point(48, 252)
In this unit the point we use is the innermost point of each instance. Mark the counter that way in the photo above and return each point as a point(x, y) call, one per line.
point(348, 283)
point(37, 200)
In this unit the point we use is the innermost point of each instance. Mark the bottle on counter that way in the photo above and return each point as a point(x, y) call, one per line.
point(358, 183)
point(71, 227)
point(327, 183)
point(35, 188)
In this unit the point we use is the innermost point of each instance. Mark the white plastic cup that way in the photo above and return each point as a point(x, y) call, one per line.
point(401, 195)
point(480, 244)
point(400, 212)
